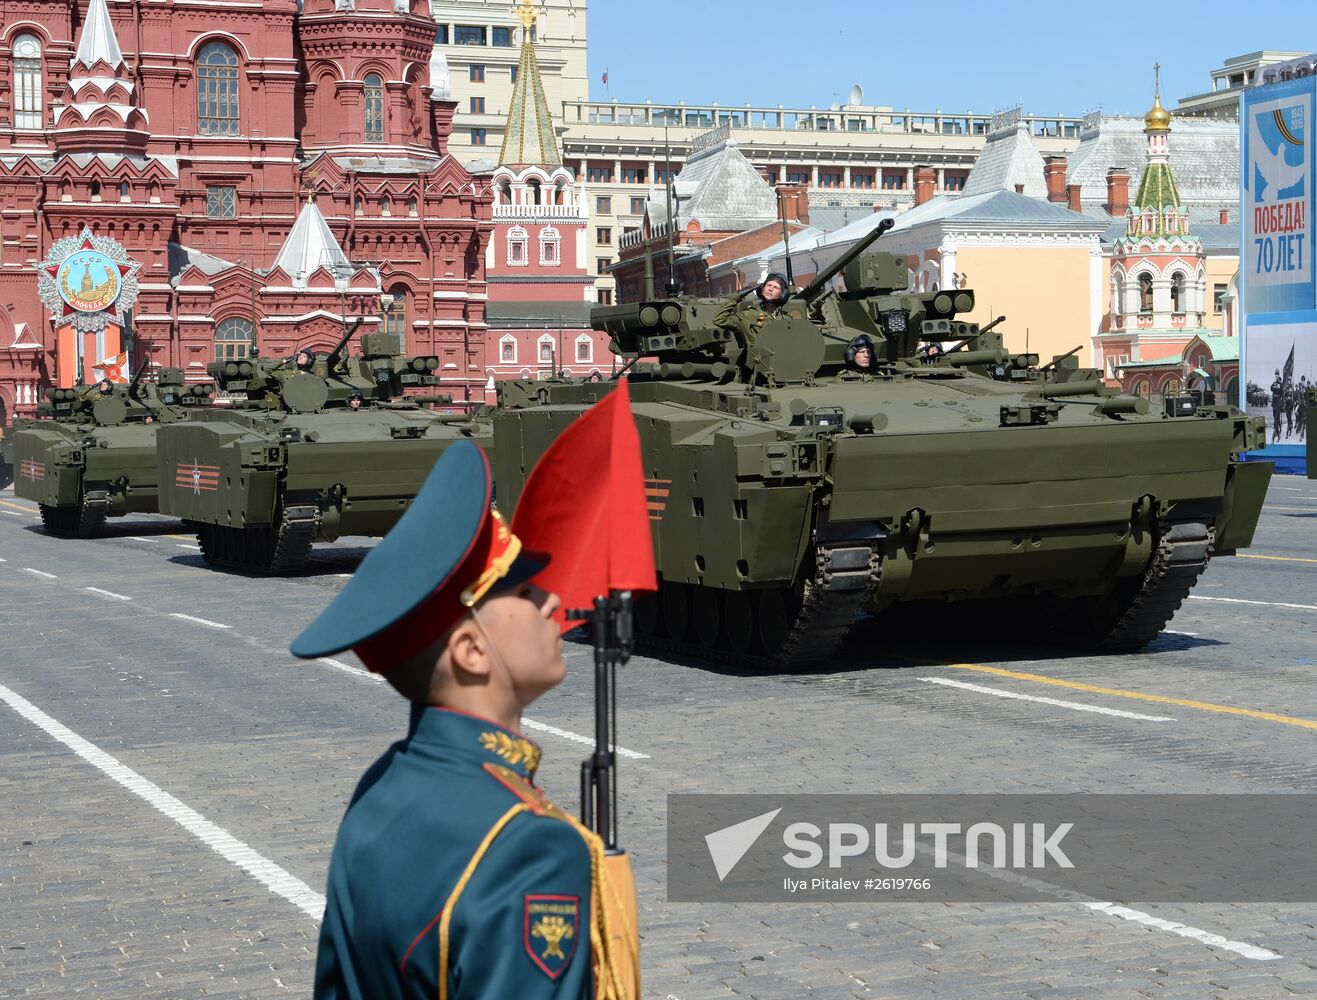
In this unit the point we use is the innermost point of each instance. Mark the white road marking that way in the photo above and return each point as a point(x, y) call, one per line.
point(344, 576)
point(4, 560)
point(1167, 631)
point(578, 738)
point(109, 593)
point(37, 572)
point(278, 880)
point(12, 513)
point(1111, 909)
point(1077, 706)
point(350, 669)
point(1301, 510)
point(199, 621)
point(1184, 930)
point(541, 727)
point(134, 538)
point(181, 545)
point(1262, 604)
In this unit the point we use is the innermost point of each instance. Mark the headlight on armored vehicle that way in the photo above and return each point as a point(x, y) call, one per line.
point(895, 321)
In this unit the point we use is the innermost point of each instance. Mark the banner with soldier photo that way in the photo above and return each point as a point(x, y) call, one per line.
point(1282, 367)
point(1278, 273)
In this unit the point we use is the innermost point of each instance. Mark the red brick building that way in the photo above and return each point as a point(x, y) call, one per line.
point(273, 171)
point(540, 287)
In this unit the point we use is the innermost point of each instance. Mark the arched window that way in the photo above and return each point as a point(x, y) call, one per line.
point(1141, 387)
point(533, 191)
point(507, 351)
point(386, 205)
point(1145, 292)
point(217, 90)
point(584, 349)
point(1171, 386)
point(374, 108)
point(1177, 292)
point(550, 246)
point(358, 206)
point(518, 246)
point(125, 192)
point(29, 105)
point(395, 317)
point(411, 206)
point(95, 190)
point(233, 339)
point(546, 350)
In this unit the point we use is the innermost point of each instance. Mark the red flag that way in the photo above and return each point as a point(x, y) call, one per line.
point(584, 503)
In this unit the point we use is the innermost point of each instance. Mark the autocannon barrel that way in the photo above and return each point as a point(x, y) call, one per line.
point(828, 273)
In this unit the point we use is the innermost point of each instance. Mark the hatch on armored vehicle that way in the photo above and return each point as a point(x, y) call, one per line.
point(792, 489)
point(309, 453)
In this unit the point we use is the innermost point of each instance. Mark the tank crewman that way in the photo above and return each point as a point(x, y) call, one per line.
point(305, 360)
point(354, 400)
point(105, 387)
point(860, 355)
point(744, 316)
point(501, 897)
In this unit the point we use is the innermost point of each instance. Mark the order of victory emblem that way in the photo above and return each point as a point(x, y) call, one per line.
point(88, 281)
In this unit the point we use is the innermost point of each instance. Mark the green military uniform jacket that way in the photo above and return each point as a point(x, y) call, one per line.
point(744, 316)
point(453, 878)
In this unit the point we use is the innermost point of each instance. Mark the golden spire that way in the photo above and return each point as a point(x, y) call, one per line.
point(1158, 119)
point(528, 136)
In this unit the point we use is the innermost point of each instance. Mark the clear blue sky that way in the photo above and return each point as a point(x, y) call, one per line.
point(968, 56)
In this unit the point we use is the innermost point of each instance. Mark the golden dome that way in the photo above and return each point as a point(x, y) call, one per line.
point(1158, 119)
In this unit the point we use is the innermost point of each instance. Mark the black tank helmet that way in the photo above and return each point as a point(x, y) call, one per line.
point(856, 343)
point(781, 279)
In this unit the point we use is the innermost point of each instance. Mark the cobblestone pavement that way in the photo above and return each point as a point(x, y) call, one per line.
point(103, 896)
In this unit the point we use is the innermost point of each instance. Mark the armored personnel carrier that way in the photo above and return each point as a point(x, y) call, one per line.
point(789, 492)
point(90, 454)
point(308, 452)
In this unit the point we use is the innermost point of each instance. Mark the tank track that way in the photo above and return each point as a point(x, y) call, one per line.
point(263, 549)
point(845, 577)
point(1131, 617)
point(83, 521)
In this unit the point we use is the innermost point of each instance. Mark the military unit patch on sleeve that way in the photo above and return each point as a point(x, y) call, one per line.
point(552, 928)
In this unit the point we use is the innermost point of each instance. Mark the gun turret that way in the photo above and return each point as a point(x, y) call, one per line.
point(820, 281)
point(335, 356)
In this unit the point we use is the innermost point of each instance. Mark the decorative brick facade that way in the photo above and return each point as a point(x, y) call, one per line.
point(195, 134)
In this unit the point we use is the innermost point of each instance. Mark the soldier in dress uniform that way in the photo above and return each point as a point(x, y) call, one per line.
point(453, 876)
point(745, 317)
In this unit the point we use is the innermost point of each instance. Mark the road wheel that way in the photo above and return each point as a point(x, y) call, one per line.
point(774, 619)
point(675, 599)
point(707, 612)
point(739, 619)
